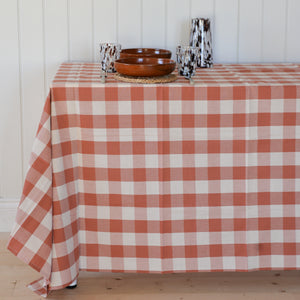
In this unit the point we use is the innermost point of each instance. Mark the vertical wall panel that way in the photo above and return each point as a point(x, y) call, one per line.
point(202, 9)
point(293, 32)
point(250, 36)
point(81, 30)
point(10, 120)
point(226, 31)
point(153, 18)
point(274, 28)
point(178, 24)
point(56, 37)
point(105, 23)
point(32, 70)
point(129, 23)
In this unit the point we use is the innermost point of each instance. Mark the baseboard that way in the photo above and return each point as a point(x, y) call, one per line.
point(8, 210)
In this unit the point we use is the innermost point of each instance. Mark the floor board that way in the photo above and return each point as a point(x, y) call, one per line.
point(283, 285)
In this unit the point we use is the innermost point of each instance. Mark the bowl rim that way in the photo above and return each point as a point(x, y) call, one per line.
point(144, 50)
point(153, 61)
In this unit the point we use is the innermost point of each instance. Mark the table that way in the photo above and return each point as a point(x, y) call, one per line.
point(163, 178)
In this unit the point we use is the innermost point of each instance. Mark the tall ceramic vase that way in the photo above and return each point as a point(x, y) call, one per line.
point(201, 37)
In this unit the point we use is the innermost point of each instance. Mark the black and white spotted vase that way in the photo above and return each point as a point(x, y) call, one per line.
point(201, 37)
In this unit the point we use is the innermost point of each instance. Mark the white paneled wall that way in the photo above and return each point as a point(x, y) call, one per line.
point(292, 40)
point(226, 30)
point(250, 31)
point(274, 30)
point(11, 145)
point(81, 29)
point(37, 35)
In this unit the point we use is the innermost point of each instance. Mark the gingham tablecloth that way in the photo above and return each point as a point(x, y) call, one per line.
point(163, 178)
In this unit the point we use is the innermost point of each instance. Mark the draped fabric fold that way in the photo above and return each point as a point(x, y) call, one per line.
point(31, 237)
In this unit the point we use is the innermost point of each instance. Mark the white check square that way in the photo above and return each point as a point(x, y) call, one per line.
point(124, 107)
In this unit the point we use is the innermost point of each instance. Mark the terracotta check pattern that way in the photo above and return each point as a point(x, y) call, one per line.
point(163, 178)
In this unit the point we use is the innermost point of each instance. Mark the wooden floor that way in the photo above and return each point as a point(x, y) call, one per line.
point(14, 275)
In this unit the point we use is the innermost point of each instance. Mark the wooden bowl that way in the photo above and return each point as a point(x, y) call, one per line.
point(144, 66)
point(145, 52)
